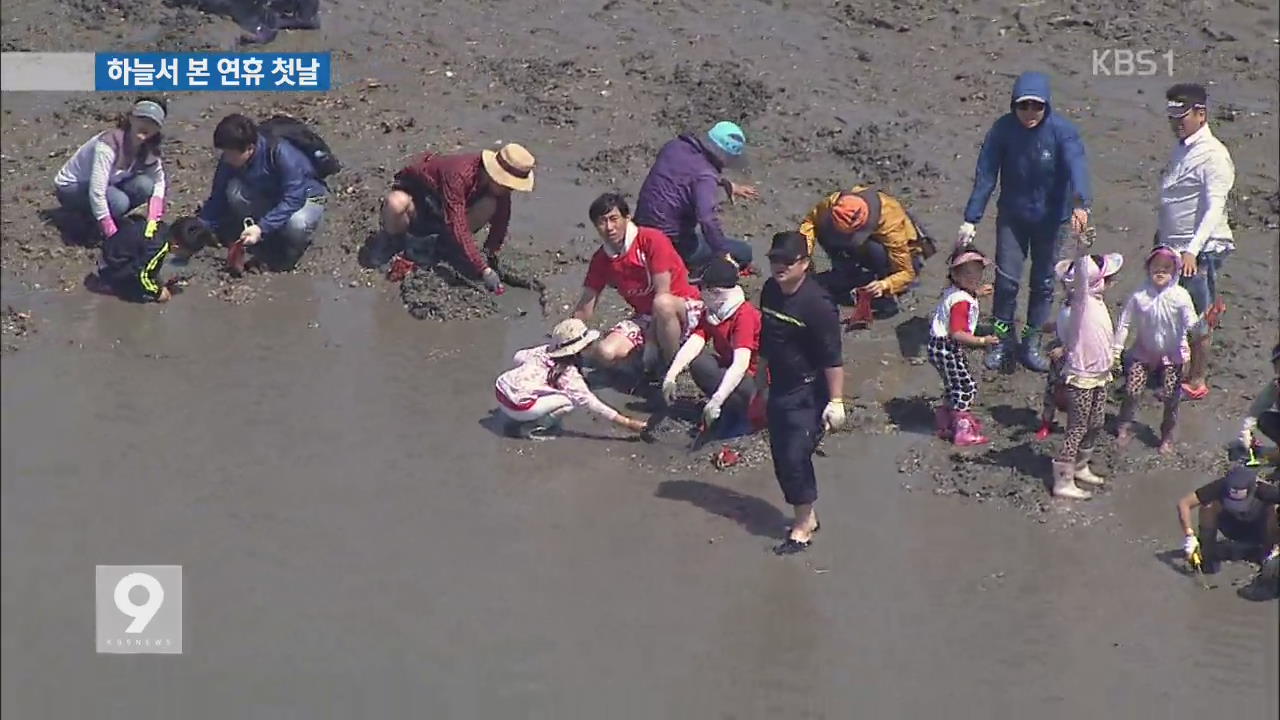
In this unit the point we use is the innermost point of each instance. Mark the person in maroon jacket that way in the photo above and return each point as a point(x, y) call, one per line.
point(449, 198)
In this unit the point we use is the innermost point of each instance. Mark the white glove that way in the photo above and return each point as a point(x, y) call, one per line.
point(1246, 432)
point(711, 412)
point(833, 415)
point(1190, 544)
point(966, 235)
point(668, 390)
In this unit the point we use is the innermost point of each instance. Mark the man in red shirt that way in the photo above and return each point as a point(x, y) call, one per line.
point(732, 324)
point(451, 197)
point(644, 267)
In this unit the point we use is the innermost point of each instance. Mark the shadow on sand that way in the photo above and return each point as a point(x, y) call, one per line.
point(495, 422)
point(756, 516)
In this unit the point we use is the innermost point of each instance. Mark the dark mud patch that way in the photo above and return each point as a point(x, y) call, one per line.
point(618, 166)
point(878, 156)
point(699, 95)
point(545, 87)
point(442, 293)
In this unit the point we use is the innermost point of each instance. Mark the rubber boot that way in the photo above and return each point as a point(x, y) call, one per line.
point(1029, 353)
point(1083, 473)
point(966, 430)
point(1001, 354)
point(1064, 482)
point(942, 421)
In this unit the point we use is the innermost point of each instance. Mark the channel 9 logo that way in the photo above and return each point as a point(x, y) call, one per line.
point(139, 608)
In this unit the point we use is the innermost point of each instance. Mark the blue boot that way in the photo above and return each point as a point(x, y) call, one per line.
point(1030, 355)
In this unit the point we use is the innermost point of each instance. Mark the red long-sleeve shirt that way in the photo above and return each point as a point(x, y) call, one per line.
point(458, 180)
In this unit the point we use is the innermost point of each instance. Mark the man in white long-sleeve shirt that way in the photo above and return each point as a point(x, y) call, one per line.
point(1193, 212)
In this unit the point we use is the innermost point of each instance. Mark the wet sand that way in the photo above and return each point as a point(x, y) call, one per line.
point(350, 550)
point(359, 542)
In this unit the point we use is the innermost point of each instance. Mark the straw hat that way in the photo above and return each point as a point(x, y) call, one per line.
point(570, 337)
point(511, 166)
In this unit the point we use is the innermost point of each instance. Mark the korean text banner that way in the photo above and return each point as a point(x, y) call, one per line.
point(255, 72)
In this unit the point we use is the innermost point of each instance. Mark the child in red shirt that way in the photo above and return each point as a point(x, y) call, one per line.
point(732, 324)
point(954, 328)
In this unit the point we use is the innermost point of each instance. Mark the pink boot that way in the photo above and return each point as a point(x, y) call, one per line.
point(968, 431)
point(942, 421)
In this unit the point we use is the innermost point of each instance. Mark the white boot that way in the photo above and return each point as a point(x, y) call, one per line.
point(1083, 473)
point(1064, 484)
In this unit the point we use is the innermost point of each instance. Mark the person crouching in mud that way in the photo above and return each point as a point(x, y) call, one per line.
point(439, 202)
point(1086, 335)
point(1264, 414)
point(547, 384)
point(1239, 505)
point(732, 325)
point(874, 244)
point(118, 170)
point(643, 266)
point(134, 256)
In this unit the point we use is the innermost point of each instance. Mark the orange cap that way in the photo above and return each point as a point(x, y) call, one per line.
point(849, 214)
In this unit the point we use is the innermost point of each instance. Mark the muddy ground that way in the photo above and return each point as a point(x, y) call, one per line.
point(830, 94)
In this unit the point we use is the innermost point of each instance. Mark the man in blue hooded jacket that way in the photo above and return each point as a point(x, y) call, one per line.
point(1044, 182)
point(681, 195)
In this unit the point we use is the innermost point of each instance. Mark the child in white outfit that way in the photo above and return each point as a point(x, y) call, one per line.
point(953, 330)
point(547, 384)
point(1161, 315)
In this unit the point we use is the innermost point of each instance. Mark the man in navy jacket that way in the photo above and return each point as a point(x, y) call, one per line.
point(270, 183)
point(1040, 161)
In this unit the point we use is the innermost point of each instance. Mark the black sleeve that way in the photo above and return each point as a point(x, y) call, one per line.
point(824, 319)
point(1210, 492)
point(1268, 493)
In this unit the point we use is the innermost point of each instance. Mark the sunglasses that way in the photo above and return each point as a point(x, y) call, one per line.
point(1030, 105)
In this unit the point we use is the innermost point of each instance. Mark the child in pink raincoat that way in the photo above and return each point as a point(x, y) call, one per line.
point(1086, 334)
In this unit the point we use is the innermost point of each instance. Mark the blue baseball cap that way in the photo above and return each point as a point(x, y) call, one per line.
point(728, 138)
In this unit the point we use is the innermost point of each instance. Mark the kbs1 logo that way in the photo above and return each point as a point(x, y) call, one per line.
point(1123, 62)
point(139, 608)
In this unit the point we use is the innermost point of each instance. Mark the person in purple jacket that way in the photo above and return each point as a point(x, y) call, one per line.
point(681, 195)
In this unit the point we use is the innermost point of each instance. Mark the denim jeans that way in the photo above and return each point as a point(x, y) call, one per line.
point(697, 252)
point(121, 198)
point(1015, 239)
point(289, 242)
point(1203, 286)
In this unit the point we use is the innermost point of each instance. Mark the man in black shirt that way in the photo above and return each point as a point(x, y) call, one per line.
point(801, 358)
point(1239, 505)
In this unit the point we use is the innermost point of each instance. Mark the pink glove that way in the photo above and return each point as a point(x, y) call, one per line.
point(108, 225)
point(155, 208)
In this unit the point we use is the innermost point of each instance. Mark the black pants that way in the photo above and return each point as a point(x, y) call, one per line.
point(707, 374)
point(795, 424)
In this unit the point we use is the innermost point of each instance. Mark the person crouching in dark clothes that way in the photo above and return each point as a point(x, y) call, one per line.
point(1237, 504)
point(800, 346)
point(875, 246)
point(732, 325)
point(132, 259)
point(269, 182)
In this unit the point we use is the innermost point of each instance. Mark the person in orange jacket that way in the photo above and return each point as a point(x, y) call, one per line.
point(874, 244)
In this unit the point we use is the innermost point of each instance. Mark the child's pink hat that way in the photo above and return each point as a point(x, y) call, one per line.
point(1111, 264)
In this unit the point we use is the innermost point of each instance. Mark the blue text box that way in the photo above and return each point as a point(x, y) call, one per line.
point(252, 72)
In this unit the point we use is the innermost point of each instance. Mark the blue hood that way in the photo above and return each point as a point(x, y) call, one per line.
point(1032, 83)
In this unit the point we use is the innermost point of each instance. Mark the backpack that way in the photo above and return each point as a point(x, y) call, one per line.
point(283, 127)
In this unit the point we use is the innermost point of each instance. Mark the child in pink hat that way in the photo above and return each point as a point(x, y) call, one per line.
point(1161, 315)
point(953, 329)
point(1086, 334)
